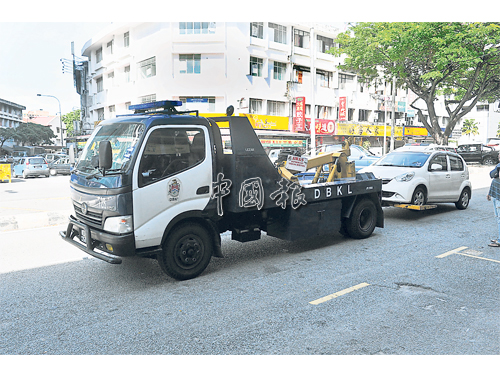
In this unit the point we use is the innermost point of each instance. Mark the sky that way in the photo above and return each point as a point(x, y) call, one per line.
point(30, 50)
point(30, 62)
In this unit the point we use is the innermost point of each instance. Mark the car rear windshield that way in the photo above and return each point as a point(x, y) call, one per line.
point(403, 159)
point(37, 161)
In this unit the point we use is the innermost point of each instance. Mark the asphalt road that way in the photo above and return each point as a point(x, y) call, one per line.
point(403, 291)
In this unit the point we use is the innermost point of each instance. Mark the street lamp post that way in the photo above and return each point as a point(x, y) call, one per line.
point(60, 116)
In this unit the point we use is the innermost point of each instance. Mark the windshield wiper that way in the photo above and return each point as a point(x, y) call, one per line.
point(94, 174)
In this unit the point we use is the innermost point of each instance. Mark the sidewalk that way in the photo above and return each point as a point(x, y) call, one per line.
point(19, 214)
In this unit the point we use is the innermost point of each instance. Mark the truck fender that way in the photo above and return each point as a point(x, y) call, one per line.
point(197, 217)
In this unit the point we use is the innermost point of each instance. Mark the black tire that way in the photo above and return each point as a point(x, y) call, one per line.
point(53, 172)
point(363, 220)
point(25, 176)
point(488, 161)
point(463, 201)
point(186, 252)
point(419, 197)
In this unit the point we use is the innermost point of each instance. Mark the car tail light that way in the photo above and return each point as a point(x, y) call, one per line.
point(27, 162)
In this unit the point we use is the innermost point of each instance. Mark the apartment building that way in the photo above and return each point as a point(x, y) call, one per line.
point(260, 68)
point(11, 114)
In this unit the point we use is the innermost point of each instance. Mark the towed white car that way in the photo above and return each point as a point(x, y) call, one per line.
point(422, 177)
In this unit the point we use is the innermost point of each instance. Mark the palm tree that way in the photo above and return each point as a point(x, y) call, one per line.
point(470, 127)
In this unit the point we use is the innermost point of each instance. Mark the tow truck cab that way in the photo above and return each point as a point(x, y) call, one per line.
point(159, 183)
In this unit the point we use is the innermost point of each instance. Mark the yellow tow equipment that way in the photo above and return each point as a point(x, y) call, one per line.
point(338, 165)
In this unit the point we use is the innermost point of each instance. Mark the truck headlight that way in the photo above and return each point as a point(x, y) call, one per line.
point(119, 224)
point(405, 177)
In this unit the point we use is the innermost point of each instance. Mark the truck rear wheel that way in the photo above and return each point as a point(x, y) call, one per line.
point(363, 219)
point(186, 252)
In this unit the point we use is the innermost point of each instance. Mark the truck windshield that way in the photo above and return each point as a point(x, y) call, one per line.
point(123, 138)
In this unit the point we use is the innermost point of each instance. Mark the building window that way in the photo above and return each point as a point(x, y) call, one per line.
point(324, 44)
point(363, 115)
point(275, 108)
point(147, 68)
point(196, 27)
point(127, 104)
point(324, 78)
point(100, 87)
point(255, 106)
point(256, 66)
point(482, 107)
point(98, 55)
point(148, 98)
point(345, 79)
point(126, 39)
point(111, 108)
point(279, 70)
point(100, 114)
point(190, 64)
point(279, 32)
point(257, 30)
point(301, 38)
point(126, 70)
point(110, 47)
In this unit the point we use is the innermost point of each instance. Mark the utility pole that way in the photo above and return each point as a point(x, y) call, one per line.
point(393, 112)
point(312, 126)
point(60, 115)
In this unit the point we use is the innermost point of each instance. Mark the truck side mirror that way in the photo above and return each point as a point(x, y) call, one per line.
point(105, 155)
point(71, 153)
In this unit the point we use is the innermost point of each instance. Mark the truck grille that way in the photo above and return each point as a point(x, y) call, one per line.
point(91, 217)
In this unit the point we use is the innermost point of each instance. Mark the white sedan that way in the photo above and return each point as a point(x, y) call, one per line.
point(421, 177)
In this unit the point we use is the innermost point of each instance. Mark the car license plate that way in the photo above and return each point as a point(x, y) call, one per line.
point(83, 238)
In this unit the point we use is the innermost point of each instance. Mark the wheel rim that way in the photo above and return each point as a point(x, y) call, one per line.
point(188, 251)
point(488, 162)
point(365, 219)
point(465, 199)
point(419, 198)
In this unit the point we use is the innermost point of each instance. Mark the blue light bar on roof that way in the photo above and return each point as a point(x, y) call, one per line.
point(153, 105)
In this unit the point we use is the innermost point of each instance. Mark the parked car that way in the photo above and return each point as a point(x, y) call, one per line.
point(53, 157)
point(31, 166)
point(60, 166)
point(478, 153)
point(424, 146)
point(423, 177)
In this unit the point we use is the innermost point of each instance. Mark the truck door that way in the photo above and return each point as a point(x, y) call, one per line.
point(172, 175)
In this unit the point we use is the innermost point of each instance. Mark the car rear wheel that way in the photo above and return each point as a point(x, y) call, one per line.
point(25, 175)
point(419, 197)
point(463, 201)
point(53, 172)
point(488, 161)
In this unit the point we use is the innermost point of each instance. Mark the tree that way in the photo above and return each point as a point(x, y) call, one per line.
point(5, 135)
point(498, 130)
point(68, 119)
point(470, 127)
point(460, 61)
point(32, 134)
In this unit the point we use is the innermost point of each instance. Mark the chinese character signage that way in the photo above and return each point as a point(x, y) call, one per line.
point(323, 127)
point(343, 108)
point(300, 107)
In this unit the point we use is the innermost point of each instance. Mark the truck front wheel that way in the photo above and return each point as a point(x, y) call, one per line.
point(186, 252)
point(363, 219)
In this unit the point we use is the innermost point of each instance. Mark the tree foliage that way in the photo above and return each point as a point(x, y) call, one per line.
point(31, 134)
point(68, 119)
point(460, 61)
point(470, 127)
point(5, 135)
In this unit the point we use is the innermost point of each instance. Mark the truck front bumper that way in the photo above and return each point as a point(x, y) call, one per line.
point(102, 245)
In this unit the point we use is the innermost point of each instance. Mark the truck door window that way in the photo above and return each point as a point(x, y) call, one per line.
point(169, 151)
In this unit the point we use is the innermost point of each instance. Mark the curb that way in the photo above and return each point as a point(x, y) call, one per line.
point(31, 221)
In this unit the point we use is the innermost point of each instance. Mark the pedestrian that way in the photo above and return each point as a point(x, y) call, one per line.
point(495, 194)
